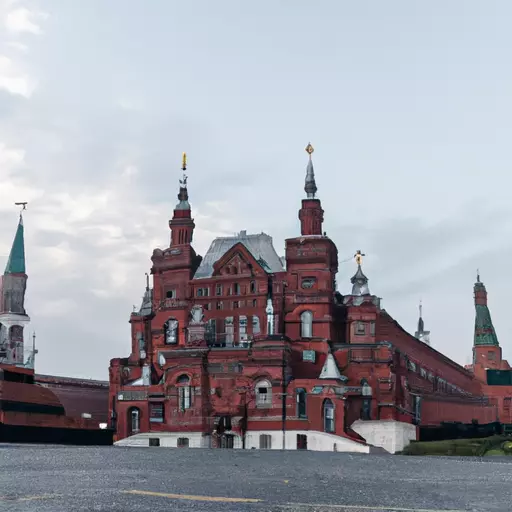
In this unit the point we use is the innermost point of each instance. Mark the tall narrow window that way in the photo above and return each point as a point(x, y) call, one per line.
point(230, 331)
point(184, 392)
point(218, 289)
point(242, 330)
point(306, 324)
point(265, 442)
point(133, 421)
point(328, 416)
point(256, 328)
point(301, 403)
point(171, 331)
point(253, 287)
point(236, 289)
point(263, 394)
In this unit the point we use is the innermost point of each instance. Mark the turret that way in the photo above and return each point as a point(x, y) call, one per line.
point(311, 214)
point(421, 334)
point(13, 317)
point(486, 348)
point(182, 225)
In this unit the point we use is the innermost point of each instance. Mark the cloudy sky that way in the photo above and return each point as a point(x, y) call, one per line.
point(408, 105)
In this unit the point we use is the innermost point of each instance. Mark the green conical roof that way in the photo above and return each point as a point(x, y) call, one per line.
point(484, 330)
point(16, 262)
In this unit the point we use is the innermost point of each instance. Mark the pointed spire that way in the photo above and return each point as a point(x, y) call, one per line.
point(16, 261)
point(484, 328)
point(421, 334)
point(183, 193)
point(330, 369)
point(310, 185)
point(359, 280)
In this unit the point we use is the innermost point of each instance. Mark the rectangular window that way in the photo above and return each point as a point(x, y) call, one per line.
point(156, 412)
point(254, 303)
point(236, 289)
point(218, 289)
point(199, 292)
point(253, 287)
point(154, 441)
point(372, 328)
point(206, 292)
point(360, 329)
point(219, 305)
point(170, 294)
point(184, 398)
point(265, 442)
point(329, 419)
point(183, 442)
point(235, 304)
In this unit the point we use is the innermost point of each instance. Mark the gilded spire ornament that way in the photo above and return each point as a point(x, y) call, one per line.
point(309, 149)
point(359, 257)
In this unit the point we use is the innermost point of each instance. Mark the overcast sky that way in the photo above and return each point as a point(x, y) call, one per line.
point(408, 105)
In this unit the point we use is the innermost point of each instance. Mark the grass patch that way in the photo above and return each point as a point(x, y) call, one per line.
point(460, 447)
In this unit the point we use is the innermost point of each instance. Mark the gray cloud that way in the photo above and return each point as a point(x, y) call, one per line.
point(412, 157)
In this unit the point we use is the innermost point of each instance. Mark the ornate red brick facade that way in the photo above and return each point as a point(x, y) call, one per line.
point(243, 344)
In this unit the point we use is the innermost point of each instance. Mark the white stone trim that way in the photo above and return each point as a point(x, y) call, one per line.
point(316, 441)
point(391, 435)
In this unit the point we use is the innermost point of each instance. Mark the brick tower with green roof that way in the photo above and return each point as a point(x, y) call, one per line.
point(486, 348)
point(13, 317)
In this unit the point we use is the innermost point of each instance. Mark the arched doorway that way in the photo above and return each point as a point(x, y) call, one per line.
point(223, 435)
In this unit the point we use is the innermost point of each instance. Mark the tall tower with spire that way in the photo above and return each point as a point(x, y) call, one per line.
point(174, 267)
point(311, 214)
point(182, 225)
point(13, 317)
point(421, 334)
point(486, 348)
point(312, 264)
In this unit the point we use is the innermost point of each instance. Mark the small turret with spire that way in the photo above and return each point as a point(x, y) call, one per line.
point(311, 214)
point(182, 225)
point(359, 280)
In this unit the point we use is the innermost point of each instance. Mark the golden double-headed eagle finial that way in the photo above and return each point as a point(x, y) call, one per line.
point(359, 257)
point(309, 149)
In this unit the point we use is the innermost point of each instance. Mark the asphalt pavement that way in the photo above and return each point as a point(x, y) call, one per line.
point(115, 479)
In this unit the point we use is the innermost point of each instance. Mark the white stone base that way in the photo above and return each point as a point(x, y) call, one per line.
point(391, 435)
point(316, 441)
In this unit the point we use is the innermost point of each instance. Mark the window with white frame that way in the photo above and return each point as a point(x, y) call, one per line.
point(263, 394)
point(184, 392)
point(328, 416)
point(265, 442)
point(306, 324)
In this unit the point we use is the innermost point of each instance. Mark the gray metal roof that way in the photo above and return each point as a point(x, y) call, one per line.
point(260, 246)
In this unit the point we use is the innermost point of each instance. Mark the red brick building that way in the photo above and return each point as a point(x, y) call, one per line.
point(245, 349)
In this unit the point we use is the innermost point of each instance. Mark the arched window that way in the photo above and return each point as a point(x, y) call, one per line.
point(133, 421)
point(256, 327)
point(328, 416)
point(263, 394)
point(171, 331)
point(306, 324)
point(301, 403)
point(184, 392)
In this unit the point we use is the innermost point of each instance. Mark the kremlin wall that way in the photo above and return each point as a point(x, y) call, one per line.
point(245, 349)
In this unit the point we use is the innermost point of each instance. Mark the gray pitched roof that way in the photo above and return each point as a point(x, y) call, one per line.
point(260, 246)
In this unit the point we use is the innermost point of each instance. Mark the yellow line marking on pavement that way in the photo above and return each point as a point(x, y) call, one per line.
point(194, 498)
point(365, 507)
point(31, 498)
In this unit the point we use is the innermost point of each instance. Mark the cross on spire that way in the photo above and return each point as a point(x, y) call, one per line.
point(359, 257)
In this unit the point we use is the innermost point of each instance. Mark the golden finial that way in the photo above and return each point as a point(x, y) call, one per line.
point(309, 149)
point(184, 162)
point(359, 257)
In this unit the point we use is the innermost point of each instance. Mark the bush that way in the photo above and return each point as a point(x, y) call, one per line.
point(460, 447)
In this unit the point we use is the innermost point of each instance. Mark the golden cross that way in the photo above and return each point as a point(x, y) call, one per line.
point(359, 257)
